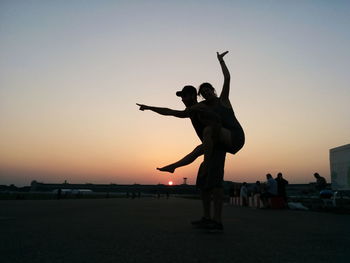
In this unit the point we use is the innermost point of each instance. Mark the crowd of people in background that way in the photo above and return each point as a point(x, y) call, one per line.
point(274, 187)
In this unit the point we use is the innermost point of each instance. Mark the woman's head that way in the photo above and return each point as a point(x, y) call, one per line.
point(207, 91)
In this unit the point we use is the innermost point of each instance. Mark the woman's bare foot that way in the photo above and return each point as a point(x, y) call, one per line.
point(168, 168)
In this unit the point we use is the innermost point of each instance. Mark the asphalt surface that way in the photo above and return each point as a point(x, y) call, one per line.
point(152, 230)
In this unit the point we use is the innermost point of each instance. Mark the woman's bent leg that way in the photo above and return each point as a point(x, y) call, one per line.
point(189, 158)
point(213, 136)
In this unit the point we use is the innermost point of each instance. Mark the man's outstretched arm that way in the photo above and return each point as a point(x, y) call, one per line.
point(164, 111)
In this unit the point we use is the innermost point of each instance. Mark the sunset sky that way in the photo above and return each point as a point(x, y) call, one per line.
point(72, 71)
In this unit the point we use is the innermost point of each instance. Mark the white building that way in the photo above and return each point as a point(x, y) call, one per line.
point(339, 158)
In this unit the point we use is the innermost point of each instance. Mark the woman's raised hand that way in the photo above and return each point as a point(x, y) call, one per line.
point(221, 56)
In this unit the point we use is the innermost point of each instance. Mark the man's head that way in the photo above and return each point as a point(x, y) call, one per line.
point(279, 175)
point(188, 95)
point(316, 175)
point(268, 176)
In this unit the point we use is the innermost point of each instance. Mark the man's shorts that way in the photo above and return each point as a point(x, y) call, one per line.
point(214, 177)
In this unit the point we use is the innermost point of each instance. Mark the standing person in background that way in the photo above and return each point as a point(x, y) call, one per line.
point(281, 186)
point(231, 193)
point(270, 190)
point(257, 190)
point(244, 194)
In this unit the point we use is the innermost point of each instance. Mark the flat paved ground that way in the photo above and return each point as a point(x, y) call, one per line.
point(152, 230)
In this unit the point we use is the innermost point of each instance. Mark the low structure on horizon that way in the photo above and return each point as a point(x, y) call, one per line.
point(116, 188)
point(183, 189)
point(339, 159)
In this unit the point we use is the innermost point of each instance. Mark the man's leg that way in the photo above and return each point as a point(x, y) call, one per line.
point(218, 198)
point(205, 197)
point(208, 144)
point(206, 200)
point(214, 182)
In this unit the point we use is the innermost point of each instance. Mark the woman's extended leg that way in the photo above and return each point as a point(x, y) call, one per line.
point(189, 158)
point(211, 136)
point(213, 133)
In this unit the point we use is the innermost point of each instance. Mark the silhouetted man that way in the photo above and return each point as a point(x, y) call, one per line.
point(209, 180)
point(222, 133)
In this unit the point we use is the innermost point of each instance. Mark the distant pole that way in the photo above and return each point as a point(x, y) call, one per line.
point(185, 180)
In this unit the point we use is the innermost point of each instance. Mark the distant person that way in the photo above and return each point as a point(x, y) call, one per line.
point(270, 190)
point(321, 183)
point(231, 193)
point(256, 192)
point(244, 194)
point(281, 186)
point(257, 188)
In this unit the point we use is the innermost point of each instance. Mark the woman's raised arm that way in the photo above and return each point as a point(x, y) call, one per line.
point(226, 87)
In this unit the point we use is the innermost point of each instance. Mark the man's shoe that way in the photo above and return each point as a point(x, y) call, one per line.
point(214, 227)
point(201, 223)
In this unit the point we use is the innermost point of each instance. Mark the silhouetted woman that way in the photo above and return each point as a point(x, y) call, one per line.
point(222, 127)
